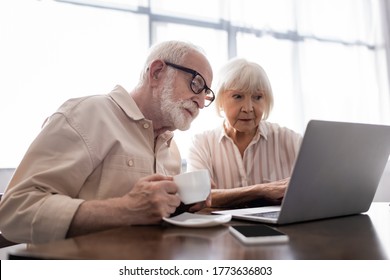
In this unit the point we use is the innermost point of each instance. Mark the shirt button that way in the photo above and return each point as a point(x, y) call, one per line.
point(146, 125)
point(130, 162)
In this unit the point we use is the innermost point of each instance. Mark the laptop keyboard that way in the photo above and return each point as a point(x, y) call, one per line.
point(272, 214)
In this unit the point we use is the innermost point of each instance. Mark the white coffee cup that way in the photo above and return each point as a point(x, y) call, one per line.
point(193, 186)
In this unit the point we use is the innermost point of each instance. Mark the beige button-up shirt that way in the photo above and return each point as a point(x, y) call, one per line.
point(93, 147)
point(269, 157)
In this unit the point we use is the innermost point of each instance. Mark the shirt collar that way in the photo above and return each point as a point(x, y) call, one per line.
point(124, 100)
point(127, 103)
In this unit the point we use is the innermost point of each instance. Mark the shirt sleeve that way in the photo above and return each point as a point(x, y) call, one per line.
point(199, 154)
point(40, 201)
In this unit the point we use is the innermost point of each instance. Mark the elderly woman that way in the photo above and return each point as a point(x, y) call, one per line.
point(249, 159)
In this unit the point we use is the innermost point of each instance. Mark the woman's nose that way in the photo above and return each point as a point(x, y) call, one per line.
point(248, 106)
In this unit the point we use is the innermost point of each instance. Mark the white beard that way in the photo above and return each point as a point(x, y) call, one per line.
point(175, 110)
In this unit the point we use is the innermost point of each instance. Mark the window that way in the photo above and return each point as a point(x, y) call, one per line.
point(54, 51)
point(325, 59)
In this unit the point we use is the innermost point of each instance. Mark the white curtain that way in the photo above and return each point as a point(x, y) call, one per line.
point(384, 8)
point(52, 51)
point(325, 58)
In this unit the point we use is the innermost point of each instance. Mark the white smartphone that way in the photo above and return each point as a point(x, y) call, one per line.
point(258, 234)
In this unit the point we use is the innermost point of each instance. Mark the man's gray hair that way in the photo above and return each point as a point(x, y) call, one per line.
point(171, 51)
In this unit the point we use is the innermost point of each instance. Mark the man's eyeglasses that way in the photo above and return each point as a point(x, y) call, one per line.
point(197, 84)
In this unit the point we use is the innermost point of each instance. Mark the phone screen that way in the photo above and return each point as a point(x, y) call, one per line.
point(257, 230)
point(257, 234)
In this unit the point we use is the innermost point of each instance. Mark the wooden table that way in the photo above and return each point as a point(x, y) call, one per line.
point(365, 236)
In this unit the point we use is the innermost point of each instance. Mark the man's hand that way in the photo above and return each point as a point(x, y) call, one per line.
point(152, 198)
point(200, 205)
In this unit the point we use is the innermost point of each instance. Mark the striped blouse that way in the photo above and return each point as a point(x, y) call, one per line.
point(269, 157)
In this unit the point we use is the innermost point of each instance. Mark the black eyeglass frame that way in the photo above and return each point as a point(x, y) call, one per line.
point(194, 74)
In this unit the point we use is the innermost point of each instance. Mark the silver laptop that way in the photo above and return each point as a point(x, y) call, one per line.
point(336, 173)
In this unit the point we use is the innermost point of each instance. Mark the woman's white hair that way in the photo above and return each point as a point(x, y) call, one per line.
point(244, 76)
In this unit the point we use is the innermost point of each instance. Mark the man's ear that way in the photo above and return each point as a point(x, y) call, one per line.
point(155, 69)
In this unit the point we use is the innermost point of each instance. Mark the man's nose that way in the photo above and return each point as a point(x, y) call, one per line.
point(200, 99)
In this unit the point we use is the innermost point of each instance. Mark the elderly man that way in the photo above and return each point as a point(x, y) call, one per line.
point(105, 161)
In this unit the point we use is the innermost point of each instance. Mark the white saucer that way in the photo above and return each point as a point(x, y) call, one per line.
point(196, 220)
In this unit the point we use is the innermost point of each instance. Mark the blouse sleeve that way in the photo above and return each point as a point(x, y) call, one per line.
point(199, 154)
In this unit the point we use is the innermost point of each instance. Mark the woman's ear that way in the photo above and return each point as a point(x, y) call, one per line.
point(155, 69)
